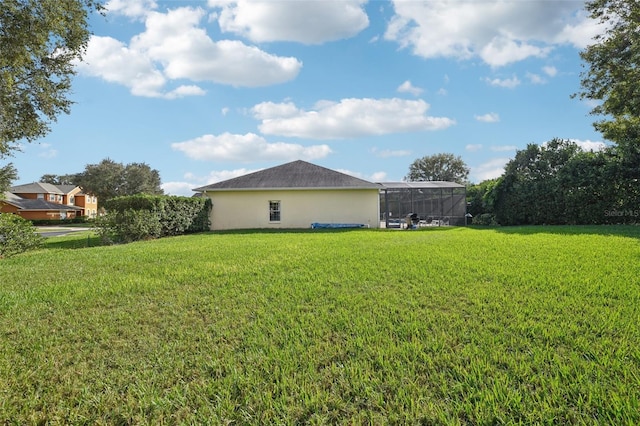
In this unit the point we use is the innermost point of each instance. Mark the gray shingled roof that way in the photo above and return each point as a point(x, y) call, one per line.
point(36, 188)
point(27, 204)
point(295, 175)
point(65, 189)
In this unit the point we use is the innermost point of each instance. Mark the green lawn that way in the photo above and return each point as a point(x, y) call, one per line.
point(436, 326)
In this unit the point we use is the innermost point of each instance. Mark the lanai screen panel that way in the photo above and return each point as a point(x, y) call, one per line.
point(442, 201)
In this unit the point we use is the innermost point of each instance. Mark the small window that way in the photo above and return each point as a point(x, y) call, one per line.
point(274, 211)
point(52, 197)
point(72, 200)
point(40, 196)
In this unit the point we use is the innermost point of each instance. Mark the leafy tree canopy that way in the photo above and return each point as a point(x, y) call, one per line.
point(59, 179)
point(8, 174)
point(442, 167)
point(559, 183)
point(613, 72)
point(39, 42)
point(109, 179)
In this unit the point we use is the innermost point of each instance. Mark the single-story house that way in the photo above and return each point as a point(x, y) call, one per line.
point(293, 195)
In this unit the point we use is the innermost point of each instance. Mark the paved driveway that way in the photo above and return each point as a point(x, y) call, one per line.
point(58, 231)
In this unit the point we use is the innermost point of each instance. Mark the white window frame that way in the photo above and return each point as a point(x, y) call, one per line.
point(275, 211)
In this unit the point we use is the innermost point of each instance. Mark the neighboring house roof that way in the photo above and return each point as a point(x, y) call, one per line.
point(433, 184)
point(295, 175)
point(36, 188)
point(66, 188)
point(26, 204)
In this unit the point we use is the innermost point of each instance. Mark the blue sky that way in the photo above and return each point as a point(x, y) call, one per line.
point(208, 90)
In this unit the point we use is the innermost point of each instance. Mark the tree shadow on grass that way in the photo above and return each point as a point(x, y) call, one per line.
point(73, 243)
point(629, 231)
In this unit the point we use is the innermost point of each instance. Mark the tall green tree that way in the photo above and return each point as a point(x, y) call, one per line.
point(612, 75)
point(559, 183)
point(109, 179)
point(8, 174)
point(476, 201)
point(140, 178)
point(444, 167)
point(39, 42)
point(59, 179)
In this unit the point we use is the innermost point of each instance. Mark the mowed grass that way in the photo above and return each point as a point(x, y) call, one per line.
point(437, 326)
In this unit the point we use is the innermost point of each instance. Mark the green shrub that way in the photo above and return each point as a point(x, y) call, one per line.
point(141, 217)
point(54, 222)
point(485, 219)
point(17, 235)
point(129, 225)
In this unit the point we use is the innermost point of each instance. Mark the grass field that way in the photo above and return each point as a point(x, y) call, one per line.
point(536, 325)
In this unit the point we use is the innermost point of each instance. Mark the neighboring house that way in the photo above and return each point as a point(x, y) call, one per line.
point(293, 195)
point(35, 201)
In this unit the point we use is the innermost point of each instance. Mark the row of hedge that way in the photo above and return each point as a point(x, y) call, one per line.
point(54, 222)
point(141, 217)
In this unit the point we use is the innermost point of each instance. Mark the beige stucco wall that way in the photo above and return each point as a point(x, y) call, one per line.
point(298, 208)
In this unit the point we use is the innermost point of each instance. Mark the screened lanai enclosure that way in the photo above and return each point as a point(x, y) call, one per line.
point(431, 204)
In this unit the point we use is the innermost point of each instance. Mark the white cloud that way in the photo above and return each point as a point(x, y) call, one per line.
point(47, 151)
point(375, 177)
point(271, 110)
point(185, 188)
point(114, 62)
point(489, 170)
point(503, 148)
point(308, 22)
point(183, 91)
point(588, 145)
point(131, 8)
point(175, 40)
point(491, 117)
point(178, 188)
point(348, 118)
point(582, 33)
point(387, 153)
point(378, 177)
point(550, 71)
point(509, 83)
point(247, 148)
point(498, 32)
point(220, 175)
point(473, 147)
point(535, 78)
point(407, 87)
point(175, 47)
point(501, 51)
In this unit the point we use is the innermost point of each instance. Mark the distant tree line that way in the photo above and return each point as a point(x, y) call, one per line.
point(559, 183)
point(109, 179)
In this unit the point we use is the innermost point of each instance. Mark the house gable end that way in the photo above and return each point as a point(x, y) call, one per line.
point(295, 175)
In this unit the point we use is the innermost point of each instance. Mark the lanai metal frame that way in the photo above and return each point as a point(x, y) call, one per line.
point(433, 202)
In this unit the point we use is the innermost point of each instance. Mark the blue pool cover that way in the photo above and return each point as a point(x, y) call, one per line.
point(316, 225)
